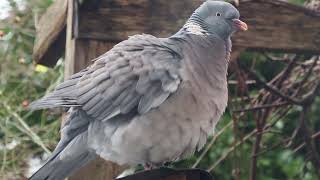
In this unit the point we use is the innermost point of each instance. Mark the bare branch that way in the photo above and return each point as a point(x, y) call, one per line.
point(287, 71)
point(266, 106)
point(226, 154)
point(309, 98)
point(271, 88)
point(308, 139)
point(26, 127)
point(214, 138)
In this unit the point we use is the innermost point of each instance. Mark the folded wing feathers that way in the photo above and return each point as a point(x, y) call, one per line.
point(66, 84)
point(130, 103)
point(137, 74)
point(125, 93)
point(147, 99)
point(91, 103)
point(143, 83)
point(84, 98)
point(52, 102)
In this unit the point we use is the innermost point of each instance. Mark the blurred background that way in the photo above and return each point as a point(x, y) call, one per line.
point(271, 129)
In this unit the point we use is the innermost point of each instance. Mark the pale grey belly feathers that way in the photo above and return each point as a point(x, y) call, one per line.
point(170, 132)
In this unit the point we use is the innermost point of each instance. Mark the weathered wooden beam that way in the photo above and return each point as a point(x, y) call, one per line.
point(50, 38)
point(279, 26)
point(54, 52)
point(98, 170)
point(82, 52)
point(275, 25)
point(79, 53)
point(115, 20)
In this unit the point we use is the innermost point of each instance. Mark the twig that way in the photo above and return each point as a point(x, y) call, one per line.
point(309, 98)
point(309, 141)
point(4, 158)
point(295, 132)
point(214, 138)
point(261, 107)
point(274, 58)
point(287, 71)
point(271, 88)
point(233, 82)
point(225, 155)
point(274, 146)
point(314, 136)
point(299, 147)
point(280, 116)
point(261, 118)
point(255, 151)
point(32, 135)
point(307, 76)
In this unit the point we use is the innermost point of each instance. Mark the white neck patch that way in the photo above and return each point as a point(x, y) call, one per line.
point(194, 28)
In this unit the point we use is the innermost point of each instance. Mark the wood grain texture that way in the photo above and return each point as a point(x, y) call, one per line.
point(274, 25)
point(54, 52)
point(123, 18)
point(79, 53)
point(84, 51)
point(98, 170)
point(280, 26)
point(50, 36)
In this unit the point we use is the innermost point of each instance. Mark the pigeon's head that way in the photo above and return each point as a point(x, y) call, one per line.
point(215, 17)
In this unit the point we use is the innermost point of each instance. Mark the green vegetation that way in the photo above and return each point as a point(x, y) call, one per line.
point(20, 83)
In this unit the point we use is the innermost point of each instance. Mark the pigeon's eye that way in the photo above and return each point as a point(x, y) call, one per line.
point(218, 14)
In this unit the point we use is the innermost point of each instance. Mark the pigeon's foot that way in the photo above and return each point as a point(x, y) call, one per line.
point(151, 166)
point(148, 167)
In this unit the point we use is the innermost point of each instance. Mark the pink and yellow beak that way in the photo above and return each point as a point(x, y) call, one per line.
point(240, 24)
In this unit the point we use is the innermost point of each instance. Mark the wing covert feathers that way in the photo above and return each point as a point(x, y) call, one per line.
point(136, 75)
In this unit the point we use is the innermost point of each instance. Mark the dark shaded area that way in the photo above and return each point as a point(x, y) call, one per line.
point(170, 174)
point(55, 51)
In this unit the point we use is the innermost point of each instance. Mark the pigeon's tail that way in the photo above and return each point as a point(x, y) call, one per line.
point(72, 151)
point(56, 169)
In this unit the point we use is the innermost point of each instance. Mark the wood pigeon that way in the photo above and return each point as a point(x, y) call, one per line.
point(148, 100)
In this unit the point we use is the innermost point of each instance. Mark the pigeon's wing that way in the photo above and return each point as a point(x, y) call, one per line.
point(136, 75)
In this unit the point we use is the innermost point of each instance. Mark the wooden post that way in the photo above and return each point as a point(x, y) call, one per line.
point(170, 174)
point(79, 53)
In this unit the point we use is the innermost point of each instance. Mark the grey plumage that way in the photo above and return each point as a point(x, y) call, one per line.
point(147, 100)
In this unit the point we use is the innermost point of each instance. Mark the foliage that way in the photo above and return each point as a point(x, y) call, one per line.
point(25, 131)
point(299, 2)
point(231, 152)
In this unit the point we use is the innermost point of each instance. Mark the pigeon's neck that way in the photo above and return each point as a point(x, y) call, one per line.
point(195, 26)
point(206, 61)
